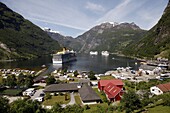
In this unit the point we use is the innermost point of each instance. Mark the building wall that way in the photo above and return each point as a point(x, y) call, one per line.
point(88, 103)
point(155, 90)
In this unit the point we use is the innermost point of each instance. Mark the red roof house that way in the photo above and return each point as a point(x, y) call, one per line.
point(103, 83)
point(113, 92)
point(112, 88)
point(160, 89)
point(164, 87)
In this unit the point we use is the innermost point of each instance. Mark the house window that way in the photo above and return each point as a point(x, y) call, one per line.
point(159, 91)
point(153, 89)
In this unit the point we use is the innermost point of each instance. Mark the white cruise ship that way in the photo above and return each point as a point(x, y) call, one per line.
point(64, 56)
point(105, 53)
point(93, 53)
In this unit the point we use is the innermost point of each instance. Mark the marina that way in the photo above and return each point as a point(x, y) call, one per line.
point(84, 62)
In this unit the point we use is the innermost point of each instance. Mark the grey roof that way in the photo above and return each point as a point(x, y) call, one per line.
point(88, 94)
point(61, 87)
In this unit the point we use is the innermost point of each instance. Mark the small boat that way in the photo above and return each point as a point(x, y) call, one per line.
point(93, 53)
point(105, 53)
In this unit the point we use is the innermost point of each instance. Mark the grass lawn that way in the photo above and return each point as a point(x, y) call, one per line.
point(78, 100)
point(1, 79)
point(159, 109)
point(11, 92)
point(59, 99)
point(108, 77)
point(99, 93)
point(94, 108)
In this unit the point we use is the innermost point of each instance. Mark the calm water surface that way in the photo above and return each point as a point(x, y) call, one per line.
point(85, 62)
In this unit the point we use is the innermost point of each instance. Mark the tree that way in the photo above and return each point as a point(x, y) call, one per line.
point(28, 81)
point(47, 96)
point(130, 101)
point(66, 96)
point(91, 75)
point(11, 81)
point(166, 99)
point(73, 109)
point(76, 73)
point(26, 106)
point(4, 106)
point(57, 108)
point(50, 80)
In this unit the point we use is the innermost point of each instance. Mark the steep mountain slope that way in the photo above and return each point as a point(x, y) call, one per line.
point(66, 41)
point(112, 37)
point(157, 41)
point(19, 38)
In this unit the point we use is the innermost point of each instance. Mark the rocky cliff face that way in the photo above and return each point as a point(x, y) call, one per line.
point(112, 37)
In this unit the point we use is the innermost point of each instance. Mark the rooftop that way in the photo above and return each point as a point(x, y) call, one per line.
point(88, 94)
point(112, 90)
point(61, 87)
point(164, 87)
point(113, 81)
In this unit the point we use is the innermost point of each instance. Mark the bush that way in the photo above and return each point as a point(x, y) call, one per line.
point(48, 96)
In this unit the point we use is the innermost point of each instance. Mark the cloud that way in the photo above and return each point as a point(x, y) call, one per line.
point(121, 11)
point(94, 7)
point(57, 23)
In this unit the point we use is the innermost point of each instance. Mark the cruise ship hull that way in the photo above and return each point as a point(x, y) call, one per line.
point(63, 58)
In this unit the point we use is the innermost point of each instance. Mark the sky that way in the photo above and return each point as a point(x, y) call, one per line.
point(74, 17)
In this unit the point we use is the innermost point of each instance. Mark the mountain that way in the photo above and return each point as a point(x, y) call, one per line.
point(65, 41)
point(112, 37)
point(156, 43)
point(21, 39)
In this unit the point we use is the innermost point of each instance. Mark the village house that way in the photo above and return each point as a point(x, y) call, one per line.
point(102, 83)
point(113, 92)
point(112, 88)
point(87, 94)
point(160, 89)
point(56, 88)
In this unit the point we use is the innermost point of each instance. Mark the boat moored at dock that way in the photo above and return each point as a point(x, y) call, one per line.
point(93, 53)
point(105, 53)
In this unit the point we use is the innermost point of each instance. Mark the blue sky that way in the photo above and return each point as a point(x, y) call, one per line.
point(74, 17)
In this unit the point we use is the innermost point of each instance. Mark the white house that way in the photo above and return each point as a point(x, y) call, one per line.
point(160, 89)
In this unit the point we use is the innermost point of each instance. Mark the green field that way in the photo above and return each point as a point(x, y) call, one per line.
point(159, 109)
point(78, 100)
point(95, 108)
point(108, 77)
point(11, 92)
point(58, 99)
point(99, 93)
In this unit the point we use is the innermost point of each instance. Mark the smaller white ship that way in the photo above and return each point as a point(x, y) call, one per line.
point(93, 53)
point(105, 53)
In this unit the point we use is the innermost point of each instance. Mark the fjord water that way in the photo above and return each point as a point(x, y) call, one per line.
point(85, 62)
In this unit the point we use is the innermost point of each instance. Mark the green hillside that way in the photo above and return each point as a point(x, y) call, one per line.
point(157, 41)
point(19, 38)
